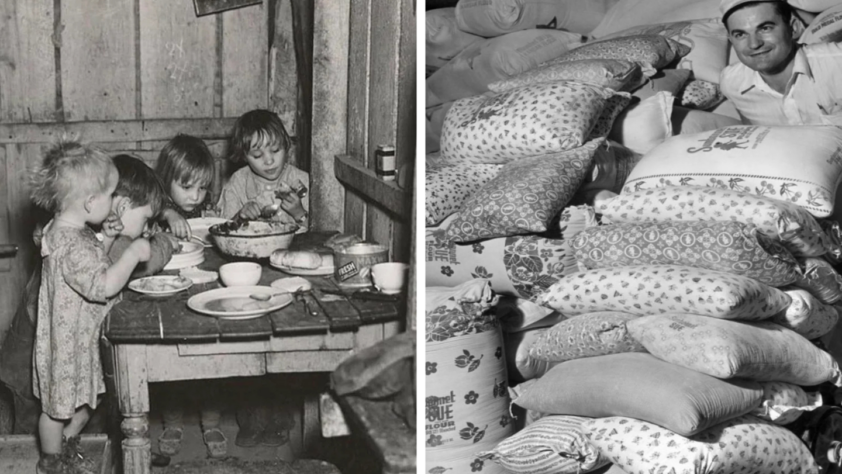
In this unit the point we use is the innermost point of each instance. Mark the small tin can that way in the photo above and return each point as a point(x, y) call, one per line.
point(384, 159)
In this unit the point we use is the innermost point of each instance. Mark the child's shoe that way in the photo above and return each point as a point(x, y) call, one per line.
point(216, 442)
point(50, 464)
point(75, 459)
point(169, 443)
point(251, 424)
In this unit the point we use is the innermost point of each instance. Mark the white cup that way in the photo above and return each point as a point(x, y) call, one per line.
point(240, 273)
point(389, 277)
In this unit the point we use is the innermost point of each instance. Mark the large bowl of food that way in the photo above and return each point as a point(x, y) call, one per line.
point(252, 239)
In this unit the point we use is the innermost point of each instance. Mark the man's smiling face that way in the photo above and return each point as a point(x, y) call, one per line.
point(761, 38)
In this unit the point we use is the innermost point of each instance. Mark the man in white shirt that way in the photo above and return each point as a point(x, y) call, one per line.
point(778, 81)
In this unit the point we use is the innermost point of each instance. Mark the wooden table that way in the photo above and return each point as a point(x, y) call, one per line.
point(157, 339)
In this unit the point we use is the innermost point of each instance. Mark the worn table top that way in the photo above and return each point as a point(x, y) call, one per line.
point(141, 318)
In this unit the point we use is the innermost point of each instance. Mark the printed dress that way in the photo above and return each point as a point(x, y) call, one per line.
point(71, 307)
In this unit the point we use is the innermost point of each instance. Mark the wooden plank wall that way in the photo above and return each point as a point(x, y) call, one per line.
point(381, 109)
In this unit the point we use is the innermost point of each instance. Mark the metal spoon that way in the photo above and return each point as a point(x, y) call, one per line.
point(265, 296)
point(270, 210)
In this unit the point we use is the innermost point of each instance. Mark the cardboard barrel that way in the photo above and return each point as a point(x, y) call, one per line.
point(353, 263)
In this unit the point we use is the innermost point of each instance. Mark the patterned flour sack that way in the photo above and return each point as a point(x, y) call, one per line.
point(750, 158)
point(784, 402)
point(529, 121)
point(551, 445)
point(743, 445)
point(730, 247)
point(586, 335)
point(806, 315)
point(787, 222)
point(498, 17)
point(495, 59)
point(520, 265)
point(760, 351)
point(448, 187)
point(466, 397)
point(519, 365)
point(653, 289)
point(518, 314)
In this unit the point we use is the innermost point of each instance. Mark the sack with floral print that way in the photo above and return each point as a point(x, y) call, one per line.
point(785, 221)
point(585, 335)
point(753, 159)
point(654, 289)
point(806, 315)
point(519, 265)
point(761, 351)
point(551, 445)
point(447, 188)
point(528, 121)
point(821, 280)
point(466, 380)
point(784, 402)
point(520, 366)
point(640, 386)
point(745, 444)
point(731, 247)
point(617, 74)
point(651, 52)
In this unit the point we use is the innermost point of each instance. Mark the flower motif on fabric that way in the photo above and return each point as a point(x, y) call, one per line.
point(446, 270)
point(432, 367)
point(471, 398)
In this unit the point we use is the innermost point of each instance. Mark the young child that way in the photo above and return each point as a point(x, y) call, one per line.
point(185, 166)
point(260, 140)
point(78, 281)
point(137, 199)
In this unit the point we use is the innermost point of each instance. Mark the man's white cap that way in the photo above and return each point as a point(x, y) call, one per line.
point(726, 6)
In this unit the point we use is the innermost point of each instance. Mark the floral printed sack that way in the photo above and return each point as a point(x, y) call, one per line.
point(551, 445)
point(617, 74)
point(586, 335)
point(761, 351)
point(651, 52)
point(640, 386)
point(519, 365)
point(730, 247)
point(524, 122)
point(466, 396)
point(524, 197)
point(653, 289)
point(521, 265)
point(787, 222)
point(447, 188)
point(806, 315)
point(753, 159)
point(743, 445)
point(700, 95)
point(784, 402)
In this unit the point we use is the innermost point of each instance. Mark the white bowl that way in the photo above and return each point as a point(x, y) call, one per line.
point(240, 273)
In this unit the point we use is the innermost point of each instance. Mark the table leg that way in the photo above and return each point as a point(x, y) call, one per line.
point(137, 449)
point(132, 389)
point(310, 424)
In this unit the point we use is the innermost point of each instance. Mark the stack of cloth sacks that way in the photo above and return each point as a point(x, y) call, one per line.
point(663, 274)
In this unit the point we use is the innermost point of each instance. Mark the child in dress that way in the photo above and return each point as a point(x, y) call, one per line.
point(260, 140)
point(78, 282)
point(185, 166)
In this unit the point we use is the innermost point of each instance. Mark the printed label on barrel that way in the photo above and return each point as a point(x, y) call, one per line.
point(349, 270)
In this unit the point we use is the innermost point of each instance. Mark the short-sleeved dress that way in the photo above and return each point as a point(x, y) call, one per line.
point(71, 307)
point(245, 186)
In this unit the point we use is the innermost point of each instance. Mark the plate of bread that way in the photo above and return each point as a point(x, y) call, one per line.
point(303, 262)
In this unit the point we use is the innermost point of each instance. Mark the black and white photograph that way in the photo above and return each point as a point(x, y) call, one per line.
point(207, 236)
point(632, 237)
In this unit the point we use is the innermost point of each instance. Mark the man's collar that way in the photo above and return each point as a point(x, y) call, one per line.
point(800, 66)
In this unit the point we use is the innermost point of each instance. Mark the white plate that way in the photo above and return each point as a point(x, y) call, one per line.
point(292, 284)
point(172, 283)
point(188, 248)
point(199, 228)
point(321, 271)
point(236, 303)
point(199, 276)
